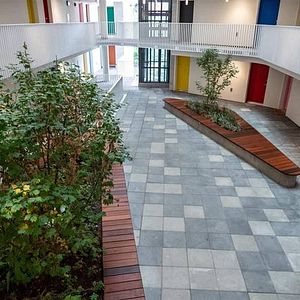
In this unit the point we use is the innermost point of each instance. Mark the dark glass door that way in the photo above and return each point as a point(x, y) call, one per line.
point(186, 16)
point(186, 12)
point(154, 63)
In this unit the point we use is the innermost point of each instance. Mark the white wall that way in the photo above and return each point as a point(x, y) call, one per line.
point(13, 12)
point(60, 11)
point(219, 11)
point(118, 11)
point(96, 60)
point(274, 88)
point(129, 9)
point(288, 12)
point(16, 12)
point(238, 84)
point(293, 109)
point(40, 11)
point(74, 11)
point(94, 13)
point(77, 60)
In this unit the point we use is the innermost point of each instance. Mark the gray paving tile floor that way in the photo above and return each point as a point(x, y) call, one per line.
point(207, 225)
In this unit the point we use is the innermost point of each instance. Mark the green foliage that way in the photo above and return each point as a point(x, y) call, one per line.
point(217, 73)
point(58, 141)
point(221, 116)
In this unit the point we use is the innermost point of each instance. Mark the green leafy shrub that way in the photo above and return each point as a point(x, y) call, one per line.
point(217, 73)
point(58, 141)
point(221, 116)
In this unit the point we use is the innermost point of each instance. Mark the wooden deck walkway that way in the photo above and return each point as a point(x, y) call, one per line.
point(122, 278)
point(248, 139)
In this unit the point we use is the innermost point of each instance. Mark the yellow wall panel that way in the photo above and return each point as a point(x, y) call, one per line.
point(183, 73)
point(31, 7)
point(298, 18)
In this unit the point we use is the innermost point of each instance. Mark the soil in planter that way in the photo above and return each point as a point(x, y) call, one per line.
point(49, 288)
point(222, 116)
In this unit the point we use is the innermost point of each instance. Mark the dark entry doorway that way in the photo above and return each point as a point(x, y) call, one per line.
point(154, 63)
point(186, 12)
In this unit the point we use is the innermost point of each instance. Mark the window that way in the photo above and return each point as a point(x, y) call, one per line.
point(154, 64)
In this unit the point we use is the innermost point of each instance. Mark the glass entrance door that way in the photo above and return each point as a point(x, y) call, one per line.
point(154, 64)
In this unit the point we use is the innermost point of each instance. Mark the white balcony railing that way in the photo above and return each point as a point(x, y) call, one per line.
point(277, 45)
point(238, 39)
point(46, 42)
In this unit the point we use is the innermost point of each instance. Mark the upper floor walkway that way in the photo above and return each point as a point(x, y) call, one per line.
point(278, 46)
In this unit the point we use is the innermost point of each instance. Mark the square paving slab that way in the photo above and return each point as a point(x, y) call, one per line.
point(209, 226)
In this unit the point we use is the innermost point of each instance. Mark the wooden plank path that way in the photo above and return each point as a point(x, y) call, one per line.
point(248, 139)
point(122, 278)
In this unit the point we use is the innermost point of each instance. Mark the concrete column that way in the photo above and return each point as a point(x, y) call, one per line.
point(105, 65)
point(102, 19)
point(173, 58)
point(175, 10)
point(172, 79)
point(103, 30)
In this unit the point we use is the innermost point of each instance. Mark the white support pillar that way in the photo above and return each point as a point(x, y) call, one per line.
point(105, 64)
point(103, 31)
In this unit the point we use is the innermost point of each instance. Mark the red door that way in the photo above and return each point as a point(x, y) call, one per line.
point(112, 55)
point(46, 11)
point(257, 83)
point(81, 14)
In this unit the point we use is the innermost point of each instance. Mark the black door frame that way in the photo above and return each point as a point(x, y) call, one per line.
point(147, 64)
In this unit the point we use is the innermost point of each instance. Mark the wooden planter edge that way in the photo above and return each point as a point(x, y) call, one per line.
point(122, 277)
point(278, 176)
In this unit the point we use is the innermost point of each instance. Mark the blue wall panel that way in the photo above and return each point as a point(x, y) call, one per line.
point(268, 12)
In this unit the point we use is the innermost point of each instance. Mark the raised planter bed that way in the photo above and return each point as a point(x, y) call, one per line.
point(248, 143)
point(122, 278)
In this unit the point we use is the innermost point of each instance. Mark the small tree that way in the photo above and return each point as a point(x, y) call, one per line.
point(217, 73)
point(59, 139)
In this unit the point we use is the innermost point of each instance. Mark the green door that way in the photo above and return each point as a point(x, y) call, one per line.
point(111, 19)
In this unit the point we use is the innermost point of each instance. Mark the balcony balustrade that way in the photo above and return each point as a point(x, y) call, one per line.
point(275, 45)
point(46, 42)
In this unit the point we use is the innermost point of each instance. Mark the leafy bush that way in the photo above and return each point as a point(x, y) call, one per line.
point(217, 73)
point(58, 141)
point(221, 116)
